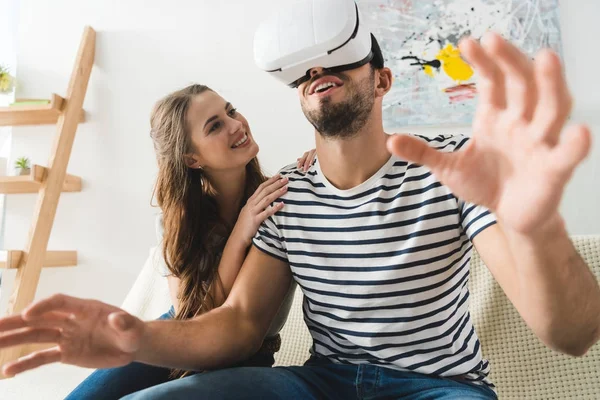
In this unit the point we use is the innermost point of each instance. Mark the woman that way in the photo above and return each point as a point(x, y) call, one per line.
point(213, 196)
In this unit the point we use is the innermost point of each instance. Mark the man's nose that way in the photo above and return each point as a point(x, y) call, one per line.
point(317, 70)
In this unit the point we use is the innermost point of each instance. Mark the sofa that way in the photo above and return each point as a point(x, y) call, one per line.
point(522, 367)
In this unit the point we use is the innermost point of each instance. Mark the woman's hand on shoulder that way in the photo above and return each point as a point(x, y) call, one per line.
point(259, 207)
point(306, 160)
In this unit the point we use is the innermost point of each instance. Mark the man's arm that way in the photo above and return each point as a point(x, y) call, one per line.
point(92, 334)
point(517, 164)
point(548, 282)
point(227, 334)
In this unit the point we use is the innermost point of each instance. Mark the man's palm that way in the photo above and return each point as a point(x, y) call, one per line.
point(87, 333)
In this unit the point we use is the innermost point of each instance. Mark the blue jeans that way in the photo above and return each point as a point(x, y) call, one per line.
point(317, 379)
point(114, 383)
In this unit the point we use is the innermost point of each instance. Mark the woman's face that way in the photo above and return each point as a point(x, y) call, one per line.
point(220, 136)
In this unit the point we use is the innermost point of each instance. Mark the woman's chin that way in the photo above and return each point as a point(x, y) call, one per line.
point(252, 150)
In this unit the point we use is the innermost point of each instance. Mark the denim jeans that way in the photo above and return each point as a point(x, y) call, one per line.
point(114, 383)
point(317, 379)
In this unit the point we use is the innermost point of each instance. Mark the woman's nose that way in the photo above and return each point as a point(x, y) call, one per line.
point(235, 126)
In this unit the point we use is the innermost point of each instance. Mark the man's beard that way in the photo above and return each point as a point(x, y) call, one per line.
point(345, 119)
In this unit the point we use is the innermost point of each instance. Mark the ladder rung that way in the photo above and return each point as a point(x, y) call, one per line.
point(10, 259)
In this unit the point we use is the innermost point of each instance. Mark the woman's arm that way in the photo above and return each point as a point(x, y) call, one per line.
point(248, 222)
point(256, 210)
point(252, 215)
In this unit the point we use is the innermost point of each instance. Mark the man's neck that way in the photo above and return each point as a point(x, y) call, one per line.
point(347, 163)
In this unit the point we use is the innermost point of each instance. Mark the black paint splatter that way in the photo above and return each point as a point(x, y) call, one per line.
point(423, 63)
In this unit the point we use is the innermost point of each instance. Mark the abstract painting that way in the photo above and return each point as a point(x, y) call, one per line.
point(432, 84)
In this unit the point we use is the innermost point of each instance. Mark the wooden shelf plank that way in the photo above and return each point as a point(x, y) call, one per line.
point(31, 183)
point(10, 259)
point(43, 114)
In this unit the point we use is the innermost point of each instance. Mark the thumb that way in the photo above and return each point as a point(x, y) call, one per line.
point(416, 150)
point(128, 329)
point(574, 146)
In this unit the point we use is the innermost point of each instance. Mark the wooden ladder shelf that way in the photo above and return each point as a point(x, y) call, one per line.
point(49, 182)
point(34, 181)
point(35, 114)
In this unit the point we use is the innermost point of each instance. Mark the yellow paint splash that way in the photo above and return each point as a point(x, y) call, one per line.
point(428, 70)
point(454, 66)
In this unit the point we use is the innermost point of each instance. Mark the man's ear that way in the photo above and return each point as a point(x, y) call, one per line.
point(192, 161)
point(384, 79)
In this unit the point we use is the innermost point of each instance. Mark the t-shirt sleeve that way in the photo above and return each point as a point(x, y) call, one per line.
point(474, 219)
point(268, 239)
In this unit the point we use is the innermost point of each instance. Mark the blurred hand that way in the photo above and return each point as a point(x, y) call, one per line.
point(87, 333)
point(517, 163)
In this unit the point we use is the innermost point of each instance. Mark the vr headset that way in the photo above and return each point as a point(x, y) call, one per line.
point(314, 33)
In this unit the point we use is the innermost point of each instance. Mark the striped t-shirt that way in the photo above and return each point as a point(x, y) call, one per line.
point(383, 267)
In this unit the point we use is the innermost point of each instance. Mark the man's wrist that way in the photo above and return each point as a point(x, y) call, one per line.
point(148, 332)
point(549, 244)
point(544, 234)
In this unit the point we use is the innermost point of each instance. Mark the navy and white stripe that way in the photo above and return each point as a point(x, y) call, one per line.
point(383, 267)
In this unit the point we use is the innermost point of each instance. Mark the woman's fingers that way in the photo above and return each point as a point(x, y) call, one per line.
point(302, 160)
point(310, 158)
point(268, 190)
point(269, 211)
point(262, 186)
point(264, 203)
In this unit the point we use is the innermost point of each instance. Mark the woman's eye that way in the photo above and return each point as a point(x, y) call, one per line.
point(232, 112)
point(215, 126)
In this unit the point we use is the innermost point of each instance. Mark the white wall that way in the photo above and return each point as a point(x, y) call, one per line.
point(147, 48)
point(579, 21)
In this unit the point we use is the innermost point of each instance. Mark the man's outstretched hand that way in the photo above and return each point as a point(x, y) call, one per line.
point(517, 163)
point(87, 333)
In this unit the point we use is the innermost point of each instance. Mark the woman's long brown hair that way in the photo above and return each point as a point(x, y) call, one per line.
point(194, 233)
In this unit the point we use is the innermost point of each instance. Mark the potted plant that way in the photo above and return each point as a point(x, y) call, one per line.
point(22, 166)
point(7, 81)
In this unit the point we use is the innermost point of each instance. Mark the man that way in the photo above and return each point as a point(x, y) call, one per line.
point(380, 249)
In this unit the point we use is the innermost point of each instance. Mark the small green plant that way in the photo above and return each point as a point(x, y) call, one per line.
point(7, 81)
point(22, 163)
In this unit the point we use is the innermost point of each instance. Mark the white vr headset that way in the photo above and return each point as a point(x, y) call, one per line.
point(314, 33)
